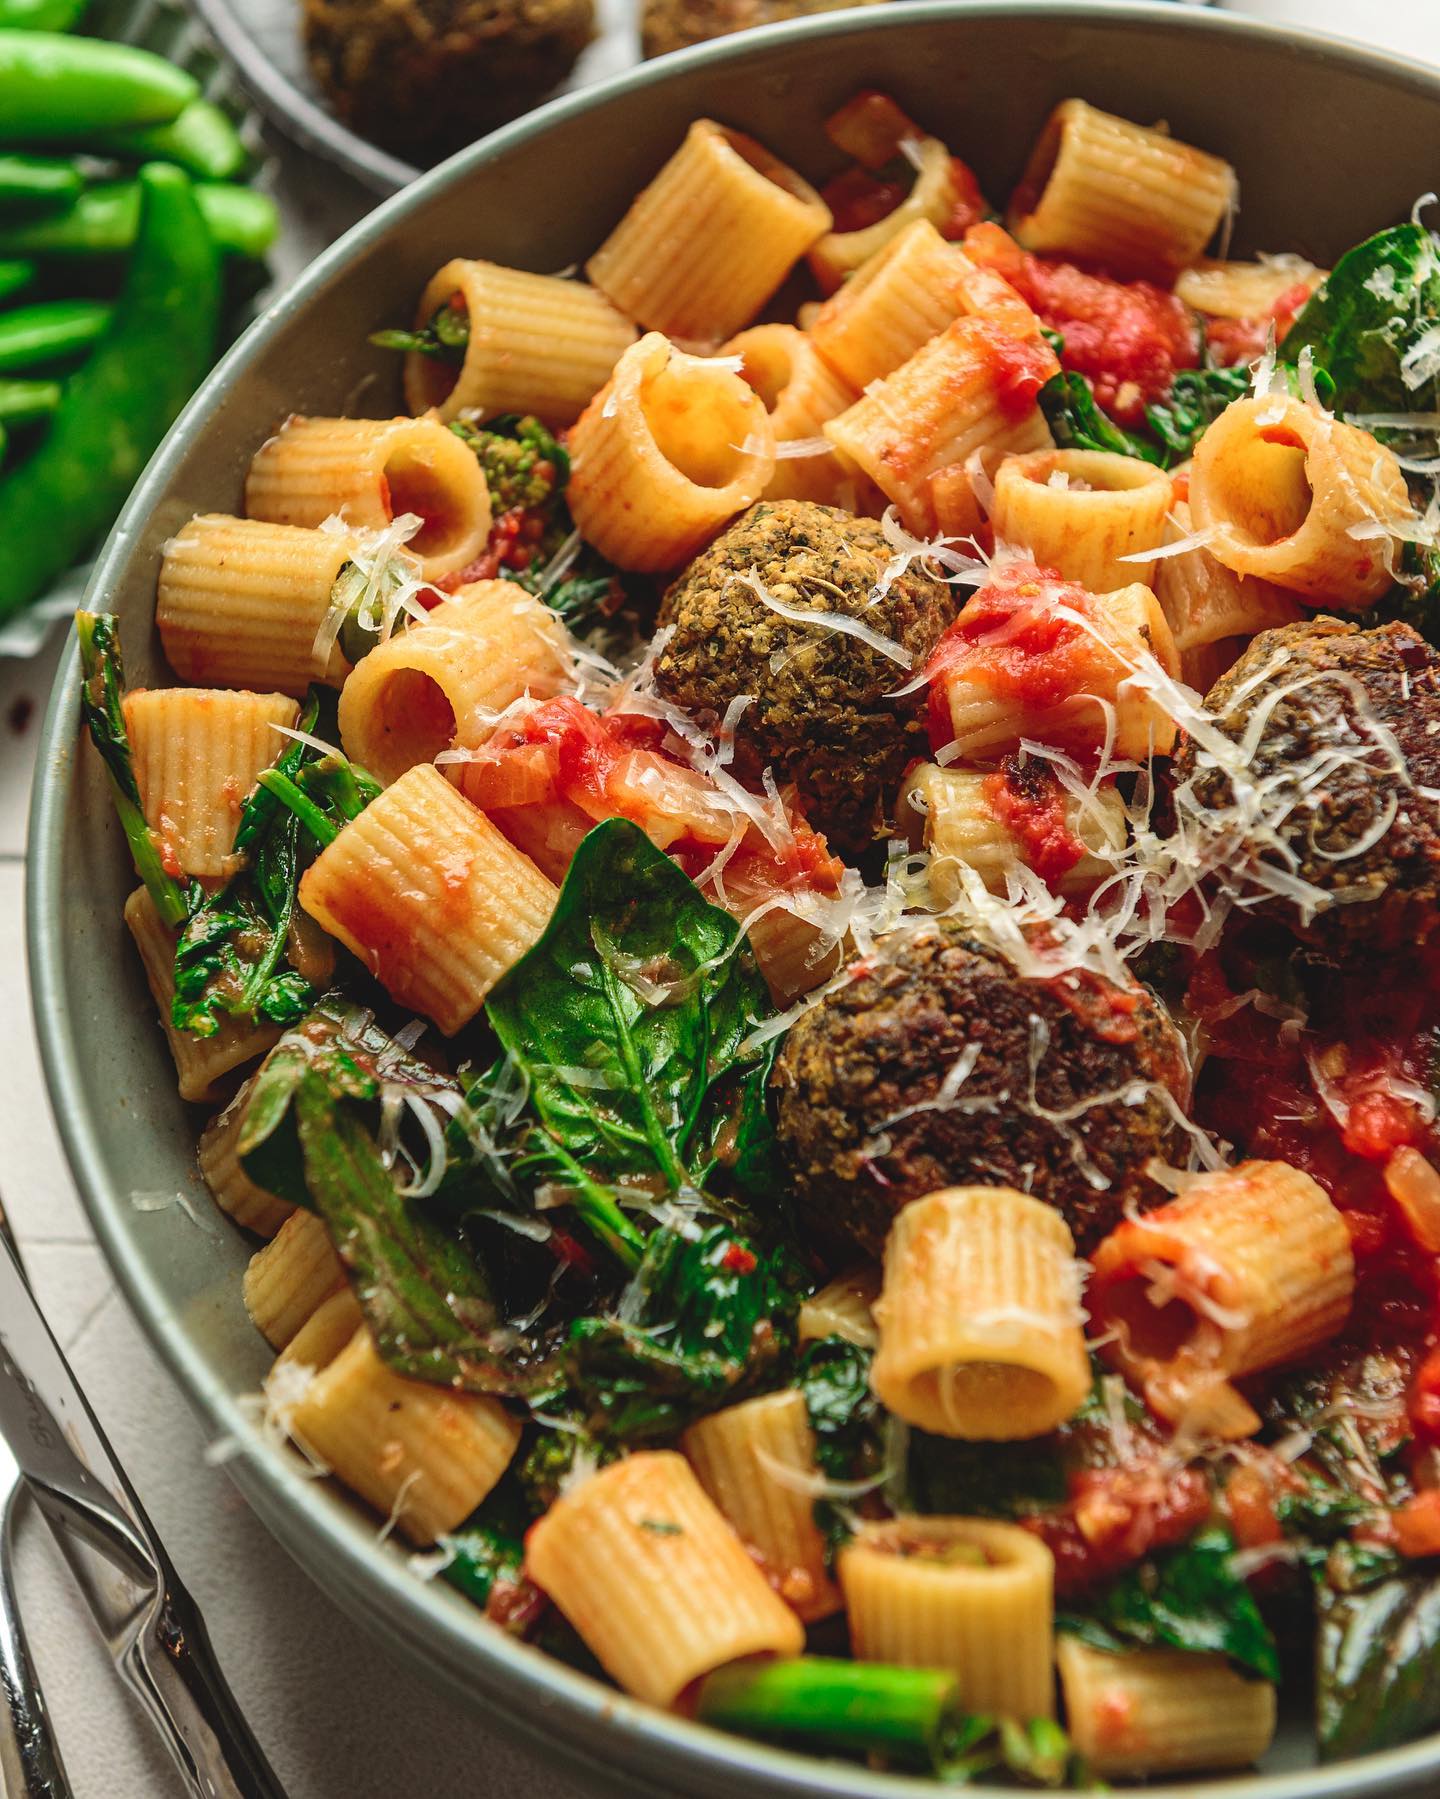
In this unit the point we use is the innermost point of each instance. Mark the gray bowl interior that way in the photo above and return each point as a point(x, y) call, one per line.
point(1331, 143)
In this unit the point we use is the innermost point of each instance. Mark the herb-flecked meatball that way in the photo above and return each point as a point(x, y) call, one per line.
point(1330, 790)
point(821, 713)
point(425, 77)
point(672, 24)
point(940, 1065)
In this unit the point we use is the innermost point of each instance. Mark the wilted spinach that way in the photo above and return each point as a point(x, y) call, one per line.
point(1077, 423)
point(1377, 1651)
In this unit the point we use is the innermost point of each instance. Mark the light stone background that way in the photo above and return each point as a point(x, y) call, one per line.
point(338, 1716)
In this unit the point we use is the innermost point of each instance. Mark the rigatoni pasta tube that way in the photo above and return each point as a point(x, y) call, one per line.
point(1082, 511)
point(981, 1331)
point(965, 1594)
point(438, 685)
point(1249, 1268)
point(197, 751)
point(756, 1460)
point(704, 246)
point(420, 1453)
point(1105, 190)
point(430, 896)
point(242, 603)
point(1161, 1711)
point(1294, 496)
point(644, 1565)
point(800, 391)
point(1247, 290)
point(322, 1336)
point(370, 472)
point(1034, 658)
point(535, 343)
point(1205, 602)
point(665, 454)
point(931, 201)
point(968, 393)
point(844, 1307)
point(201, 1063)
point(997, 821)
point(291, 1277)
point(249, 1205)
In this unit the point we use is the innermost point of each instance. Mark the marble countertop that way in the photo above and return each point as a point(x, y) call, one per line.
point(338, 1716)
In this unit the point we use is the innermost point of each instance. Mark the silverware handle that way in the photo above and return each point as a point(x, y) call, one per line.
point(30, 1764)
point(177, 1678)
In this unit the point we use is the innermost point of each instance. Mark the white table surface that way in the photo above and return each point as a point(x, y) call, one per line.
point(339, 1717)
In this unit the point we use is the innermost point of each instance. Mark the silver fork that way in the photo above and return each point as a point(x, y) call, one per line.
point(30, 1761)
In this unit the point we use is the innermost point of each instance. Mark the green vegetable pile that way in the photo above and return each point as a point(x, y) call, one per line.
point(120, 204)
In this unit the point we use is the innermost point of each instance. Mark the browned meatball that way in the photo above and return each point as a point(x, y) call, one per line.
point(672, 24)
point(942, 1066)
point(1333, 791)
point(822, 713)
point(426, 77)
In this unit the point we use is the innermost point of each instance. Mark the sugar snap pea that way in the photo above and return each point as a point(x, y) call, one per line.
point(36, 184)
point(41, 15)
point(22, 402)
point(202, 140)
point(50, 331)
point(120, 404)
point(15, 277)
point(104, 220)
point(56, 89)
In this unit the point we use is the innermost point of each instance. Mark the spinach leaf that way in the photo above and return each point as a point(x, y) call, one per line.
point(660, 1097)
point(986, 1480)
point(482, 1557)
point(833, 1375)
point(1077, 423)
point(1353, 1411)
point(1187, 1598)
point(102, 695)
point(1377, 1653)
point(1369, 322)
point(1197, 397)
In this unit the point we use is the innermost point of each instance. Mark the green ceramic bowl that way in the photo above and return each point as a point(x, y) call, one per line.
point(1331, 142)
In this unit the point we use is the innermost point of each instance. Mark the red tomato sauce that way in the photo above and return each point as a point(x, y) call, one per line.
point(1244, 340)
point(1030, 803)
point(1129, 337)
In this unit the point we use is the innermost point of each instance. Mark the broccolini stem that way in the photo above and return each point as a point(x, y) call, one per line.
point(321, 828)
point(860, 1706)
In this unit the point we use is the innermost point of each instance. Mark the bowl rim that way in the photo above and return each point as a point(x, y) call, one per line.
point(587, 1725)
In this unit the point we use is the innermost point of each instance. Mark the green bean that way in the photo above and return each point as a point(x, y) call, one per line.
point(864, 1706)
point(33, 184)
point(202, 140)
point(50, 331)
point(104, 220)
point(41, 15)
point(22, 402)
point(15, 277)
point(57, 89)
point(121, 403)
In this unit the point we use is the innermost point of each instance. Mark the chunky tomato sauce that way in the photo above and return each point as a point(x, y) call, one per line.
point(1232, 341)
point(1129, 337)
point(1030, 803)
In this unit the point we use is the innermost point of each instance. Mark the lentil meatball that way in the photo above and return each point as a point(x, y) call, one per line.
point(1329, 690)
point(425, 77)
point(822, 716)
point(672, 24)
point(867, 1123)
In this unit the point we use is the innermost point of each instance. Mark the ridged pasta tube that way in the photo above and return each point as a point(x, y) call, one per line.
point(291, 1277)
point(801, 391)
point(201, 1063)
point(965, 1594)
point(960, 816)
point(1249, 1268)
point(1245, 290)
point(645, 1566)
point(439, 685)
point(241, 604)
point(969, 393)
point(756, 1460)
point(430, 896)
point(1161, 1711)
point(1205, 602)
point(981, 1331)
point(666, 454)
point(1294, 496)
point(324, 1333)
point(1109, 191)
point(1081, 511)
point(931, 201)
point(844, 1307)
point(417, 1452)
point(370, 472)
point(249, 1205)
point(704, 246)
point(537, 343)
point(197, 752)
